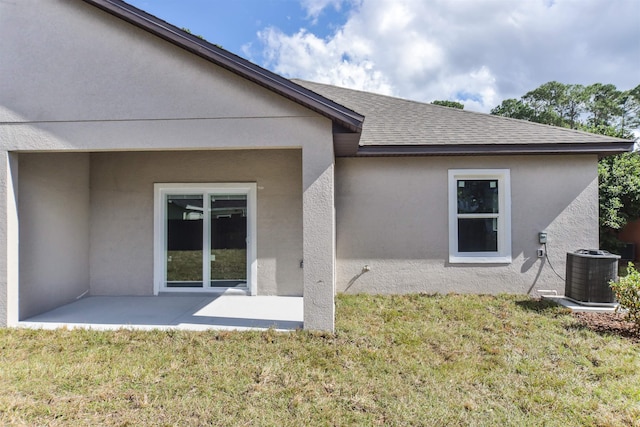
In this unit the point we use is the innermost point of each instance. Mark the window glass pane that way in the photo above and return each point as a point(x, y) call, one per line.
point(477, 235)
point(477, 196)
point(228, 240)
point(184, 240)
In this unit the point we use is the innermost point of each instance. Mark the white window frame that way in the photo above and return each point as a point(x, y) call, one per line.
point(161, 190)
point(503, 254)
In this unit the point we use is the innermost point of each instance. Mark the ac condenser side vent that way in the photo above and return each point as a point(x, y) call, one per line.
point(589, 272)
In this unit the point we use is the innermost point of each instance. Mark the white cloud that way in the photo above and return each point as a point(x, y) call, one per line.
point(336, 61)
point(315, 7)
point(478, 52)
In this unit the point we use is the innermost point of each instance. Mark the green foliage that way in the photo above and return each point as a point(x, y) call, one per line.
point(226, 264)
point(619, 194)
point(627, 290)
point(604, 129)
point(555, 103)
point(451, 104)
point(188, 31)
point(630, 105)
point(604, 103)
point(552, 103)
point(597, 108)
point(515, 109)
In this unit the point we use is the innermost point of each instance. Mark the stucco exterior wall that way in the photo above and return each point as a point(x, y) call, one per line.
point(319, 236)
point(78, 79)
point(8, 238)
point(126, 89)
point(126, 72)
point(53, 212)
point(5, 248)
point(122, 213)
point(392, 215)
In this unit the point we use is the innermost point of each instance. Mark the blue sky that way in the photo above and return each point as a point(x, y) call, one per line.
point(478, 52)
point(234, 24)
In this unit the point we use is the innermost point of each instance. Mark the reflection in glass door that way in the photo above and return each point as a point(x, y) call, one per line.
point(228, 240)
point(205, 238)
point(185, 220)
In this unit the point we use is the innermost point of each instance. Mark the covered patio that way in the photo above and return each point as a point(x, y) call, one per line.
point(184, 312)
point(101, 171)
point(88, 252)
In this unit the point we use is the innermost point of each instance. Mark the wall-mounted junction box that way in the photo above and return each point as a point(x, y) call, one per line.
point(542, 238)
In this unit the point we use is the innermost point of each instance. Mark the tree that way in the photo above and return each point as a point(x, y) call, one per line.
point(603, 104)
point(552, 103)
point(630, 109)
point(515, 109)
point(547, 103)
point(451, 104)
point(597, 108)
point(619, 194)
point(575, 104)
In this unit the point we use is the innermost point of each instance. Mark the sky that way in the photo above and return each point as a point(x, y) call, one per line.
point(477, 52)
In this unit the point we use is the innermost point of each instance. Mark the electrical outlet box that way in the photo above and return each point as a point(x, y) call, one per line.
point(542, 238)
point(540, 253)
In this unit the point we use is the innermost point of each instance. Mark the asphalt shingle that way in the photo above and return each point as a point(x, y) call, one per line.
point(396, 121)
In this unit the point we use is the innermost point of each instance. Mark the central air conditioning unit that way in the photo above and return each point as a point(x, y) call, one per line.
point(589, 272)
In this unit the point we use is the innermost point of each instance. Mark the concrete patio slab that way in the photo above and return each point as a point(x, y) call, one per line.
point(186, 312)
point(577, 307)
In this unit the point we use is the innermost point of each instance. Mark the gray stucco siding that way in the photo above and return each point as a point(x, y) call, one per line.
point(122, 213)
point(87, 219)
point(392, 215)
point(54, 221)
point(107, 69)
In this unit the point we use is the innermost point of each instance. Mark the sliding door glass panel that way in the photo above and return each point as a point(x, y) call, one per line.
point(228, 237)
point(185, 219)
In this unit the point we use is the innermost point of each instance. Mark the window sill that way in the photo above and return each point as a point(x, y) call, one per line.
point(480, 259)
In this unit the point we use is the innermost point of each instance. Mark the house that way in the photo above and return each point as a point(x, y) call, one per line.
point(630, 235)
point(137, 159)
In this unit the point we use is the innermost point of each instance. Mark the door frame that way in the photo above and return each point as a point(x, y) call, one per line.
point(161, 190)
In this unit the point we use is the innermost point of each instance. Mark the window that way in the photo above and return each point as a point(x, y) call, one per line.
point(479, 216)
point(205, 237)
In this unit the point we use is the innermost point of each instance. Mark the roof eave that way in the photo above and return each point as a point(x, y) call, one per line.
point(601, 149)
point(337, 113)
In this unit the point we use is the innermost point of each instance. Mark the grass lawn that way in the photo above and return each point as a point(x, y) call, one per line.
point(225, 264)
point(394, 360)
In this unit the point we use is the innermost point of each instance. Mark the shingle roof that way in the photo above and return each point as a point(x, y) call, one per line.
point(402, 126)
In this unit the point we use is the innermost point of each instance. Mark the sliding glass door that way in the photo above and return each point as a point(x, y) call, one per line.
point(185, 243)
point(228, 239)
point(206, 236)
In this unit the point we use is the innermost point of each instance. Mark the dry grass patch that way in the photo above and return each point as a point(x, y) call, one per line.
point(394, 360)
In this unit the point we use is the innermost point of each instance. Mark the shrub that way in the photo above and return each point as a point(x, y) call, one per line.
point(627, 290)
point(619, 193)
